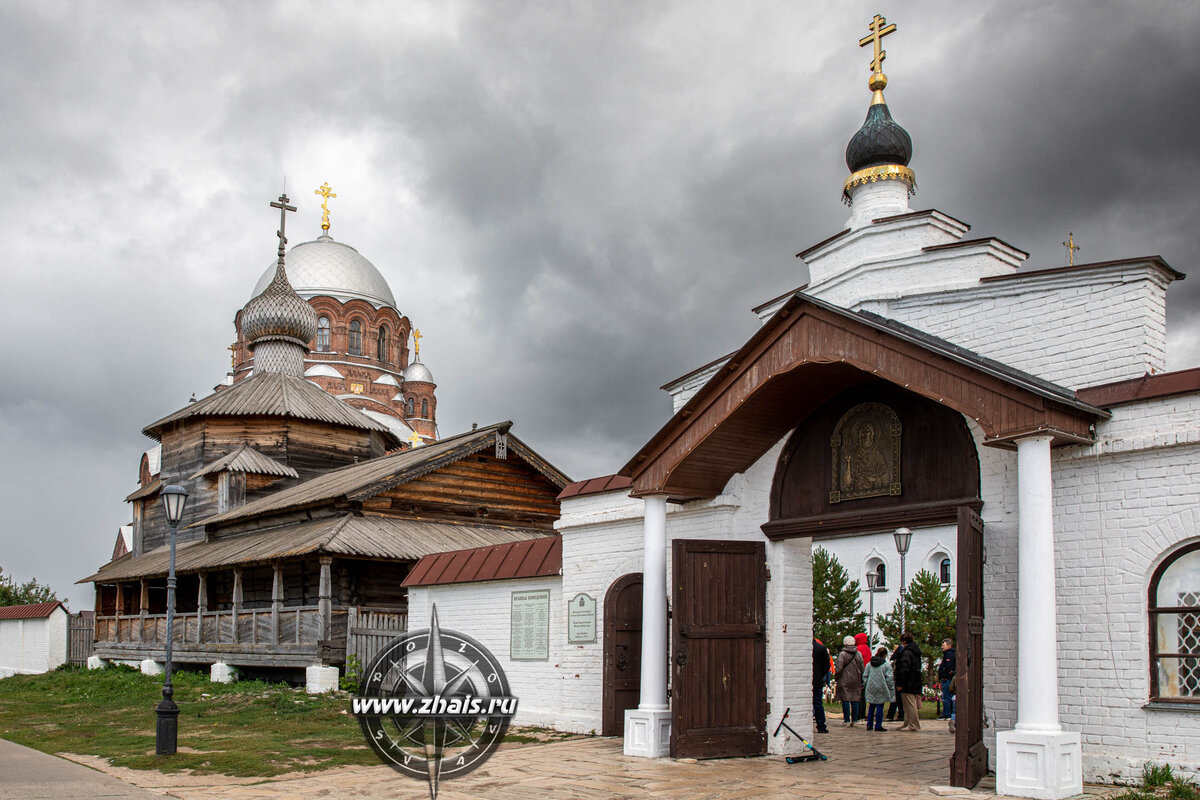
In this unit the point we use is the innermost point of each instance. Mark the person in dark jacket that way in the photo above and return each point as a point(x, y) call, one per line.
point(897, 704)
point(820, 677)
point(946, 672)
point(908, 681)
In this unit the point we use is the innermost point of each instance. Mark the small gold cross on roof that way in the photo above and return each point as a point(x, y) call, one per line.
point(1072, 249)
point(326, 193)
point(417, 337)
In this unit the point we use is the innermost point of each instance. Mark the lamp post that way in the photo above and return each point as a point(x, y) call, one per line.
point(872, 578)
point(166, 728)
point(902, 536)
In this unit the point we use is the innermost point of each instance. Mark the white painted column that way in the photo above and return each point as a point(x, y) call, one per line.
point(1037, 759)
point(648, 727)
point(1037, 613)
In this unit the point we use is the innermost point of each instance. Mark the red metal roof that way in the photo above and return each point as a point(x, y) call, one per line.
point(34, 611)
point(532, 558)
point(1147, 387)
point(607, 483)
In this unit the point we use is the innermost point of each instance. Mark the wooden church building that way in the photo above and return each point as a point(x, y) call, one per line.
point(304, 512)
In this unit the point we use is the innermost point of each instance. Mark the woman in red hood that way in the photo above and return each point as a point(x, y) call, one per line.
point(860, 643)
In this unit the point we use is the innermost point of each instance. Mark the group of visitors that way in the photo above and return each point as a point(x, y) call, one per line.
point(866, 682)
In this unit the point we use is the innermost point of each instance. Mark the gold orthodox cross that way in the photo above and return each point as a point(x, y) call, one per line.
point(879, 29)
point(417, 337)
point(1072, 249)
point(232, 355)
point(327, 193)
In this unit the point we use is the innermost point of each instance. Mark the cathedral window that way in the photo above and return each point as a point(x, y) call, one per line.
point(881, 575)
point(1175, 627)
point(944, 571)
point(355, 346)
point(323, 334)
point(410, 406)
point(424, 409)
point(382, 347)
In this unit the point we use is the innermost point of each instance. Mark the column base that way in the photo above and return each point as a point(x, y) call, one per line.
point(318, 679)
point(647, 733)
point(221, 672)
point(149, 666)
point(1048, 766)
point(96, 662)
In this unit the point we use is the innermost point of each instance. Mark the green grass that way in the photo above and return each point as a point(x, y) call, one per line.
point(1159, 781)
point(248, 728)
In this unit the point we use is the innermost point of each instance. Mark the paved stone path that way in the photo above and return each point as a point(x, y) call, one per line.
point(862, 765)
point(32, 775)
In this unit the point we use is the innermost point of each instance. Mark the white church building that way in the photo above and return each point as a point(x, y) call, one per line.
point(1022, 422)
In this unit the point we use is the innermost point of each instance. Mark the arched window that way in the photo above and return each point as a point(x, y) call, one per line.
point(881, 575)
point(410, 406)
point(944, 571)
point(1175, 627)
point(424, 409)
point(355, 347)
point(323, 334)
point(382, 345)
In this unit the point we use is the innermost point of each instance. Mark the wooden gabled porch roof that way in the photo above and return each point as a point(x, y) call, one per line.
point(812, 350)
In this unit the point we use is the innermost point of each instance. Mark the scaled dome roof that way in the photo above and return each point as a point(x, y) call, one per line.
point(326, 267)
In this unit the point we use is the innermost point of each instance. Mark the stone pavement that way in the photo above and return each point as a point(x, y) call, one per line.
point(862, 765)
point(32, 775)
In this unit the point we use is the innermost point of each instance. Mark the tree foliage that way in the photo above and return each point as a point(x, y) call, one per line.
point(837, 602)
point(14, 594)
point(930, 614)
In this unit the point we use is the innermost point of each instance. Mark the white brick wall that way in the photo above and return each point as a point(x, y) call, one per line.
point(33, 645)
point(1076, 329)
point(482, 611)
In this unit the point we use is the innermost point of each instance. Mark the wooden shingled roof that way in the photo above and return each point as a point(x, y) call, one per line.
point(346, 535)
point(365, 480)
point(246, 459)
point(532, 558)
point(272, 395)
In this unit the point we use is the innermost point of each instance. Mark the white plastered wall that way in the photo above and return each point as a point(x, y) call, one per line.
point(483, 612)
point(29, 646)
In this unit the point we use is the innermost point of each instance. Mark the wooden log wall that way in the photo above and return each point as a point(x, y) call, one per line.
point(480, 487)
point(310, 448)
point(370, 583)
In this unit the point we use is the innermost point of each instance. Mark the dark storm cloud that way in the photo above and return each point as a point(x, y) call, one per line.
point(575, 202)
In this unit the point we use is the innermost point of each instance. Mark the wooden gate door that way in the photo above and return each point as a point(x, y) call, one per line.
point(719, 669)
point(969, 762)
point(622, 651)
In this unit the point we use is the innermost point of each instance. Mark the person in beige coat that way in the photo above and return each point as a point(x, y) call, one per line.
point(848, 671)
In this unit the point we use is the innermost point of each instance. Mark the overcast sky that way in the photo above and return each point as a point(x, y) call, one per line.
point(574, 202)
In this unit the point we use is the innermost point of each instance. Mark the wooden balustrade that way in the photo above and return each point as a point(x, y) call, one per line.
point(265, 626)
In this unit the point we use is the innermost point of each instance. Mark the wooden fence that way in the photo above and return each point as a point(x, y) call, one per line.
point(81, 638)
point(369, 629)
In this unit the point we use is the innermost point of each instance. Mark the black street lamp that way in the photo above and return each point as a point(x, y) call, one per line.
point(166, 728)
point(902, 536)
point(872, 578)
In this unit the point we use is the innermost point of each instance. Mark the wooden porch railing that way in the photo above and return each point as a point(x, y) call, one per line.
point(289, 625)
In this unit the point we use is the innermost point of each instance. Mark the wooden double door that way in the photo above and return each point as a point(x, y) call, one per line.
point(970, 760)
point(718, 649)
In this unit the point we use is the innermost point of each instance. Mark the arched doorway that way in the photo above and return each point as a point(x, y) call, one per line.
point(622, 651)
point(877, 457)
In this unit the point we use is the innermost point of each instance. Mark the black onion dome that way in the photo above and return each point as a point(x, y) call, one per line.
point(879, 141)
